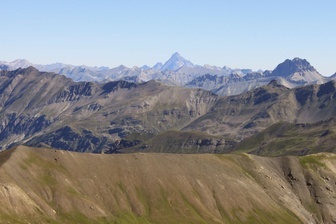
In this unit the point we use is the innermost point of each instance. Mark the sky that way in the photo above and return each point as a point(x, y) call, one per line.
point(255, 34)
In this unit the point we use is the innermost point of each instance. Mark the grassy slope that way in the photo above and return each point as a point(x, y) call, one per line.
point(43, 185)
point(174, 141)
point(292, 139)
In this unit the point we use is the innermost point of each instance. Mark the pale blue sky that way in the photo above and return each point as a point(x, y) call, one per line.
point(240, 34)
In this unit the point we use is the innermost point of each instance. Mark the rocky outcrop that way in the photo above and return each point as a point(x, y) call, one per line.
point(48, 109)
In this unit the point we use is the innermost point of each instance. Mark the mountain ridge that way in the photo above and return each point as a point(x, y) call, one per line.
point(46, 109)
point(44, 185)
point(178, 71)
point(33, 104)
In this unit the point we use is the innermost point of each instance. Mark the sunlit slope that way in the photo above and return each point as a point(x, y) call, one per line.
point(44, 185)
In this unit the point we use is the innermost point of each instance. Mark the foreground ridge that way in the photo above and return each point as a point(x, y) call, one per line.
point(43, 185)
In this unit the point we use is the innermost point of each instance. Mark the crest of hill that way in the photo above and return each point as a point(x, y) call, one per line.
point(52, 186)
point(34, 105)
point(248, 113)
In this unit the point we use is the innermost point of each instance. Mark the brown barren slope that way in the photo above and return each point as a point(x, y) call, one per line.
point(48, 186)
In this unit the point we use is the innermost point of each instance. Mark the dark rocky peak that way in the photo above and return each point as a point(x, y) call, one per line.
point(203, 78)
point(302, 94)
point(29, 70)
point(207, 77)
point(82, 88)
point(199, 81)
point(74, 92)
point(264, 95)
point(289, 67)
point(115, 85)
point(268, 93)
point(20, 71)
point(326, 88)
point(3, 67)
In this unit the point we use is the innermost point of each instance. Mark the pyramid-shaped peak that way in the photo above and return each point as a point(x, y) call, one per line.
point(175, 62)
point(177, 55)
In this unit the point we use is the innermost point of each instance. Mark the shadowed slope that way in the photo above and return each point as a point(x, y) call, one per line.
point(244, 115)
point(44, 109)
point(292, 139)
point(36, 106)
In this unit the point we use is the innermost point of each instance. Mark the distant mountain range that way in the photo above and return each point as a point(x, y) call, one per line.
point(178, 71)
point(290, 73)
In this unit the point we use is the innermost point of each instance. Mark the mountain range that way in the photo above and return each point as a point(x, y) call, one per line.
point(49, 110)
point(178, 71)
point(166, 153)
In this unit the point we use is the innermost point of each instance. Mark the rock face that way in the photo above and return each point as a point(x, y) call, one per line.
point(247, 114)
point(297, 70)
point(52, 186)
point(45, 108)
point(292, 139)
point(289, 67)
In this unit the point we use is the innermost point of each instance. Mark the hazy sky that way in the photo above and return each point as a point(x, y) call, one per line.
point(240, 34)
